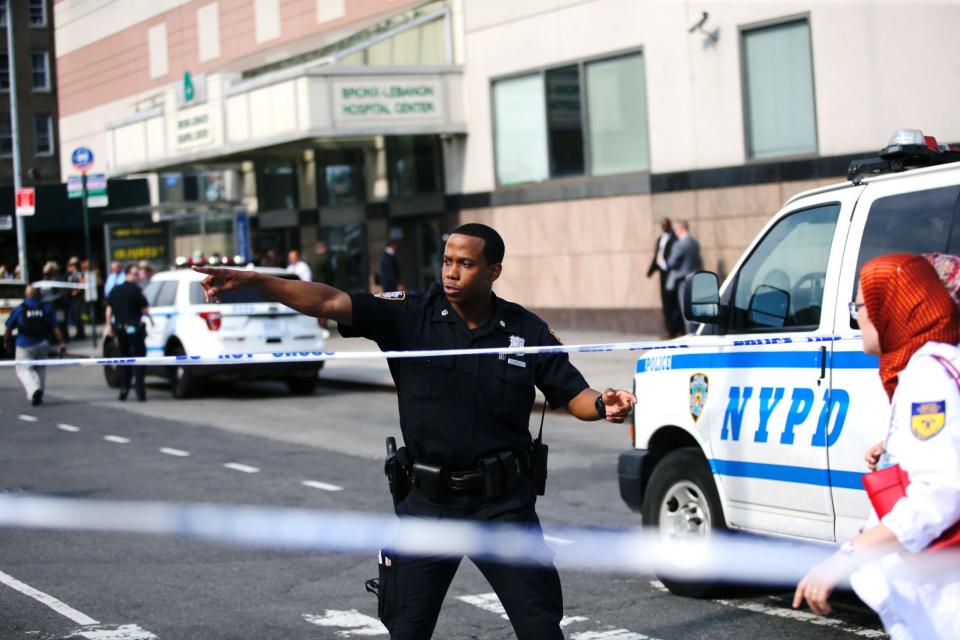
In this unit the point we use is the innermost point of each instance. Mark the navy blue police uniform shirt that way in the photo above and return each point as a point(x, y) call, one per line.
point(127, 302)
point(457, 409)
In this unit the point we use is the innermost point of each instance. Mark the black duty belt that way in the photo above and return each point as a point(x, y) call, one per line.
point(496, 475)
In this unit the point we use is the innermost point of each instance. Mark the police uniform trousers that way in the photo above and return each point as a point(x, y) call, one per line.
point(131, 345)
point(414, 587)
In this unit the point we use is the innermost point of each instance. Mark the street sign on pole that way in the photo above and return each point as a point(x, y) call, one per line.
point(96, 189)
point(26, 201)
point(82, 158)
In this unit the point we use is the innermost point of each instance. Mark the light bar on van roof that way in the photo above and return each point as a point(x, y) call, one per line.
point(907, 149)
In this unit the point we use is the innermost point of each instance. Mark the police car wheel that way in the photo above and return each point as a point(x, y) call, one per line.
point(182, 384)
point(681, 501)
point(111, 374)
point(304, 386)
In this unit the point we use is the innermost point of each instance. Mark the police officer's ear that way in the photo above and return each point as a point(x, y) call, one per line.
point(493, 272)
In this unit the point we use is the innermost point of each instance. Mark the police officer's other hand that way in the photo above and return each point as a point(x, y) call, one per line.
point(873, 455)
point(618, 404)
point(219, 280)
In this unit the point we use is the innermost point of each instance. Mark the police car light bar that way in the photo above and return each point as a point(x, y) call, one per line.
point(907, 149)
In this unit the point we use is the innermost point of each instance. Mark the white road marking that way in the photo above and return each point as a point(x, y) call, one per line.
point(556, 540)
point(489, 602)
point(756, 606)
point(236, 466)
point(48, 600)
point(68, 427)
point(27, 418)
point(117, 439)
point(351, 623)
point(610, 634)
point(115, 632)
point(180, 453)
point(314, 484)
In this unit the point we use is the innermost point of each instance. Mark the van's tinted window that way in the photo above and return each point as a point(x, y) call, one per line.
point(781, 283)
point(168, 294)
point(151, 291)
point(916, 222)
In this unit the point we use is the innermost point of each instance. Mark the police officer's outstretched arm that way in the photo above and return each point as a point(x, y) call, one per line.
point(310, 298)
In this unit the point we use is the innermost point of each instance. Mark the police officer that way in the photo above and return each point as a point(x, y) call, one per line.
point(464, 419)
point(34, 321)
point(126, 307)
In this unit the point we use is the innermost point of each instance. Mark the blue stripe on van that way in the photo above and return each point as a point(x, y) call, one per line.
point(784, 473)
point(758, 360)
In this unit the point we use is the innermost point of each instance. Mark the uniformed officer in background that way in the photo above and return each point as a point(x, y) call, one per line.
point(126, 307)
point(464, 419)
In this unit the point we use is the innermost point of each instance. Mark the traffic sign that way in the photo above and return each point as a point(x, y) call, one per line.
point(82, 158)
point(96, 189)
point(26, 201)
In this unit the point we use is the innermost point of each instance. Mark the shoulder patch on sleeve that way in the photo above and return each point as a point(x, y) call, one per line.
point(555, 335)
point(927, 419)
point(392, 295)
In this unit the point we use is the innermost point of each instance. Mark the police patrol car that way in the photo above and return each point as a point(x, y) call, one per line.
point(768, 435)
point(244, 322)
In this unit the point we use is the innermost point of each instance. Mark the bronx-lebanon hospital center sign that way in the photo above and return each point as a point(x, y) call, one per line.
point(357, 101)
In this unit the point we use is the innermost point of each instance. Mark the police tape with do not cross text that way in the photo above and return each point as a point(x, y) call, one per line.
point(465, 420)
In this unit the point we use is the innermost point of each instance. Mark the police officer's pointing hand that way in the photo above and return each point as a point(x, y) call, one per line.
point(219, 280)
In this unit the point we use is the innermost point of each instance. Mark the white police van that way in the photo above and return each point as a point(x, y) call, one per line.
point(243, 322)
point(768, 435)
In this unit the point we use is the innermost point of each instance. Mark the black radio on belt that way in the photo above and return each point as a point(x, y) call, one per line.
point(538, 458)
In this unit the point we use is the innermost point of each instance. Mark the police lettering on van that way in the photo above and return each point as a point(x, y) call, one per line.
point(767, 435)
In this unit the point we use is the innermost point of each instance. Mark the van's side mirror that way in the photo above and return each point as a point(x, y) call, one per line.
point(701, 298)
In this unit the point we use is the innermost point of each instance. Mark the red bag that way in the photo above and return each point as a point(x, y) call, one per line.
point(887, 486)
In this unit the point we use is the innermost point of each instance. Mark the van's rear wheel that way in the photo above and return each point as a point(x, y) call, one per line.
point(111, 373)
point(305, 385)
point(182, 383)
point(681, 501)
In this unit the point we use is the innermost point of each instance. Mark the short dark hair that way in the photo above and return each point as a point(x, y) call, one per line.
point(493, 248)
point(130, 267)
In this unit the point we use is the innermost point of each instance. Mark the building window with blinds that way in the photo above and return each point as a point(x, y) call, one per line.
point(588, 118)
point(6, 136)
point(40, 70)
point(778, 95)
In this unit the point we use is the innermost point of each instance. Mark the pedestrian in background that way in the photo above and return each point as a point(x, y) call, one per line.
point(324, 264)
point(126, 308)
point(75, 300)
point(910, 321)
point(297, 266)
point(389, 273)
point(659, 265)
point(34, 322)
point(114, 278)
point(465, 420)
point(144, 273)
point(684, 259)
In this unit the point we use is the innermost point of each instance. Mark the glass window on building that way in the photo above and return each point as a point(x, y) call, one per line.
point(341, 176)
point(3, 13)
point(40, 70)
point(520, 136)
point(6, 136)
point(4, 72)
point(422, 45)
point(415, 165)
point(564, 122)
point(778, 90)
point(42, 134)
point(617, 109)
point(37, 13)
point(277, 186)
point(211, 186)
point(171, 187)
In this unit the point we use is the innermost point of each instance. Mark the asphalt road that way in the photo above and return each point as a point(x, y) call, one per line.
point(252, 443)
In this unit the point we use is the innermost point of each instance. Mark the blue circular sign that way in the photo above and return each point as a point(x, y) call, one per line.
point(82, 158)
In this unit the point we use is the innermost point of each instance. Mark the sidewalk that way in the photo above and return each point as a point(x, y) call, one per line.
point(602, 370)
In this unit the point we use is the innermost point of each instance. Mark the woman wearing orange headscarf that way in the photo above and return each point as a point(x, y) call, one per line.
point(910, 320)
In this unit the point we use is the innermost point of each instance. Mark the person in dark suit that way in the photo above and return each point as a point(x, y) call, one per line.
point(390, 268)
point(683, 260)
point(658, 264)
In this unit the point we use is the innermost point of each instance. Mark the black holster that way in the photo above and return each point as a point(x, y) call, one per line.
point(397, 469)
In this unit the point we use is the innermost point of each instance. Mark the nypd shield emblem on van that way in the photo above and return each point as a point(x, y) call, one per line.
point(699, 385)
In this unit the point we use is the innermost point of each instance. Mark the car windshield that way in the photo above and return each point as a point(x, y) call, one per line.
point(246, 295)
